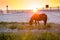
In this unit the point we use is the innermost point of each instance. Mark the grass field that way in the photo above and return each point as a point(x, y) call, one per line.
point(26, 26)
point(29, 32)
point(30, 36)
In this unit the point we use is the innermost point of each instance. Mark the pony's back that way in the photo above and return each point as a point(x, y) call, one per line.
point(43, 16)
point(35, 17)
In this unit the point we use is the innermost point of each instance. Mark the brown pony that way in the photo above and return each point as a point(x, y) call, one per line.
point(37, 18)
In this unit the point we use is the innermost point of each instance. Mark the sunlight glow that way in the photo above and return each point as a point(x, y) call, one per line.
point(33, 7)
point(35, 10)
point(27, 4)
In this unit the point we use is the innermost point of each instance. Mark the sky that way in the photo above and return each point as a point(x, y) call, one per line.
point(27, 4)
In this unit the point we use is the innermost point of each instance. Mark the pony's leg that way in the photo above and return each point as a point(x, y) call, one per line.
point(35, 22)
point(45, 22)
point(38, 23)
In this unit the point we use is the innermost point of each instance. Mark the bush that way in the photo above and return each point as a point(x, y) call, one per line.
point(13, 27)
point(3, 24)
point(21, 27)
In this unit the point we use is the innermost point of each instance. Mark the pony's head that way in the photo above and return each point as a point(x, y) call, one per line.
point(30, 22)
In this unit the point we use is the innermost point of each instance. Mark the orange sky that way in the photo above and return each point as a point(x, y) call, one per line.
point(27, 4)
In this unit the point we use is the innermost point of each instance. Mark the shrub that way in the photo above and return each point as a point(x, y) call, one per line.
point(13, 27)
point(3, 24)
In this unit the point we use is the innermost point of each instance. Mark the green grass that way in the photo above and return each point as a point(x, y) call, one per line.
point(30, 36)
point(3, 24)
point(22, 26)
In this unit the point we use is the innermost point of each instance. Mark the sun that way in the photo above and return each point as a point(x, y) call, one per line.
point(35, 10)
point(33, 7)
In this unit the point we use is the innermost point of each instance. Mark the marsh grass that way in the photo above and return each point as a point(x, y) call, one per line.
point(30, 36)
point(13, 27)
point(23, 26)
point(3, 24)
point(48, 25)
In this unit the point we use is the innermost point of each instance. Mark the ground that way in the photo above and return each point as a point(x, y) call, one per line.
point(24, 31)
